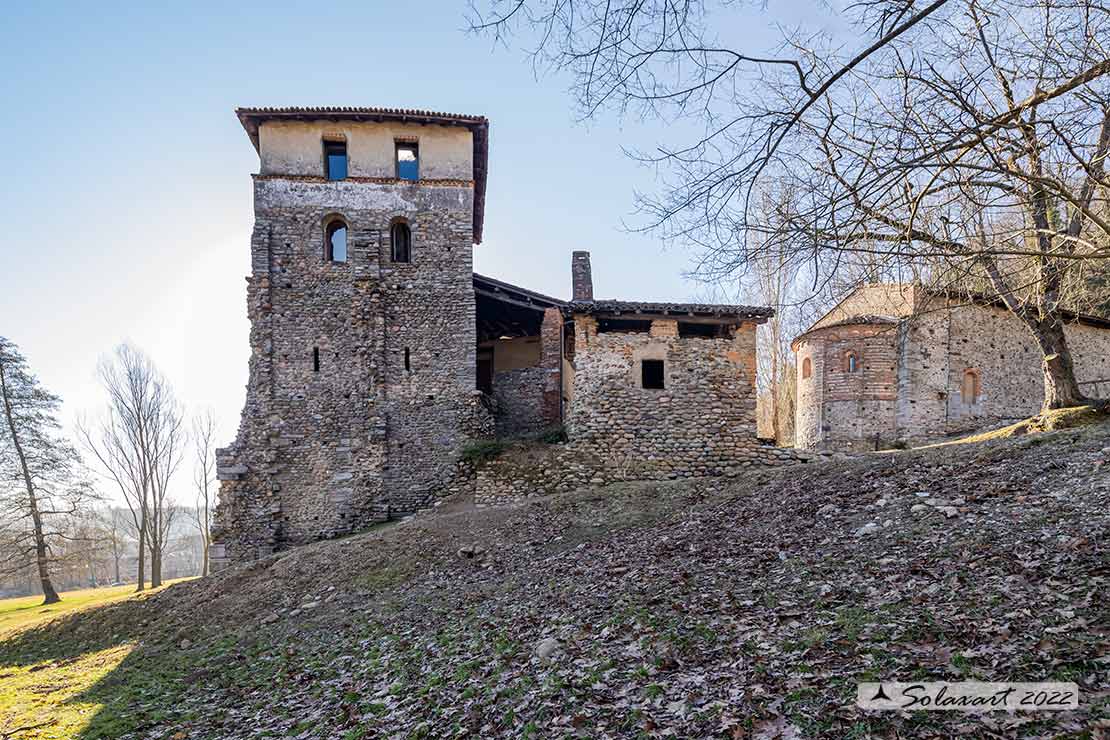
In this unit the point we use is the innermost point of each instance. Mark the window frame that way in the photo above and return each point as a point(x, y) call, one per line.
point(329, 144)
point(851, 361)
point(398, 145)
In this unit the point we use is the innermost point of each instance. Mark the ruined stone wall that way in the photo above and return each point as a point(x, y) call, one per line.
point(701, 424)
point(323, 452)
point(542, 470)
point(520, 404)
point(843, 410)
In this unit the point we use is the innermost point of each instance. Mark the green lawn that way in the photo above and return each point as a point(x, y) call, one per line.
point(54, 697)
point(24, 611)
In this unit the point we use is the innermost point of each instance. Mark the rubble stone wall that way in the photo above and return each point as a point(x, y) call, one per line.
point(542, 470)
point(701, 424)
point(374, 429)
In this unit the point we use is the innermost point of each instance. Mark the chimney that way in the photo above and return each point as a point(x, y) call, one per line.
point(581, 277)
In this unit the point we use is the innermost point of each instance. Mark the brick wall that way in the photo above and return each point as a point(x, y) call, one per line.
point(843, 410)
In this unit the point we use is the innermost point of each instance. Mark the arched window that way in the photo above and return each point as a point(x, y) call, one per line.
point(401, 240)
point(969, 387)
point(335, 241)
point(807, 368)
point(851, 362)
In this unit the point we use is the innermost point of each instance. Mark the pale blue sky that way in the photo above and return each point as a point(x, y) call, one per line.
point(126, 200)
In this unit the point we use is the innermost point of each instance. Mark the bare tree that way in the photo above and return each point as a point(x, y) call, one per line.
point(963, 139)
point(138, 445)
point(42, 482)
point(204, 477)
point(114, 536)
point(166, 452)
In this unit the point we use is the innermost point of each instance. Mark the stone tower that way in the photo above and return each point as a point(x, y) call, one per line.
point(362, 310)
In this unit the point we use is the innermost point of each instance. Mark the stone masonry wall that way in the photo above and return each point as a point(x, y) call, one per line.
point(940, 345)
point(542, 470)
point(323, 452)
point(932, 350)
point(701, 424)
point(520, 403)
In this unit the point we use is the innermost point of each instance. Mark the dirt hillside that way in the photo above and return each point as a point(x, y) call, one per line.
point(747, 608)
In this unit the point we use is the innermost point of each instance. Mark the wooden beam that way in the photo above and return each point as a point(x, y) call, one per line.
point(505, 299)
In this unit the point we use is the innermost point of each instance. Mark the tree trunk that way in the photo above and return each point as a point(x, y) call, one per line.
point(155, 564)
point(204, 562)
point(1061, 389)
point(50, 596)
point(142, 559)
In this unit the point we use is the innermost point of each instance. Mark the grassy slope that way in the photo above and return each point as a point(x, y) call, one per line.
point(703, 609)
point(42, 697)
point(24, 611)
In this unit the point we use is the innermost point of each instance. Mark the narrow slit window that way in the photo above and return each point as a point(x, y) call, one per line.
point(335, 246)
point(807, 368)
point(335, 159)
point(315, 359)
point(408, 161)
point(408, 360)
point(400, 238)
point(851, 362)
point(651, 374)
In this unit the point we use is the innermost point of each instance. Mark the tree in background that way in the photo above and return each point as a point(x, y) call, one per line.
point(204, 477)
point(42, 483)
point(138, 444)
point(963, 140)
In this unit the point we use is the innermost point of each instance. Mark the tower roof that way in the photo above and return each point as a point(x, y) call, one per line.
point(251, 118)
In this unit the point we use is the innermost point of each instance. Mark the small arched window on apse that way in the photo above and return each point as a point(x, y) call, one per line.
point(807, 368)
point(969, 387)
point(335, 240)
point(400, 239)
point(851, 362)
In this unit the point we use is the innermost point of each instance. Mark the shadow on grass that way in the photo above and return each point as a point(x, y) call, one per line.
point(111, 670)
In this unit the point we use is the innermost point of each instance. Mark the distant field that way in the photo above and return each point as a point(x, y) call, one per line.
point(26, 610)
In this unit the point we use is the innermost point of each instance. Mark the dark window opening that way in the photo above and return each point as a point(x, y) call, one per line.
point(336, 242)
point(408, 161)
point(651, 374)
point(624, 326)
point(315, 359)
point(400, 239)
point(716, 331)
point(485, 371)
point(335, 159)
point(408, 361)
